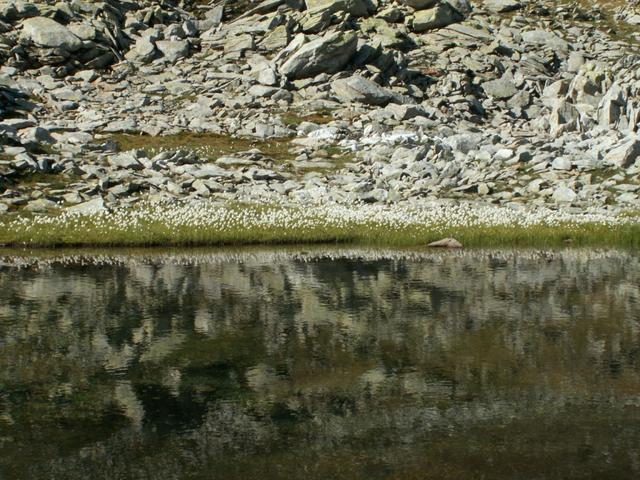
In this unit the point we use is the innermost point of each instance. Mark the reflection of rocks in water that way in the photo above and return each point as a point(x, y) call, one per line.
point(197, 365)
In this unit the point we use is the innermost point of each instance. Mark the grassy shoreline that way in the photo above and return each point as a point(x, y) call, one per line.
point(205, 225)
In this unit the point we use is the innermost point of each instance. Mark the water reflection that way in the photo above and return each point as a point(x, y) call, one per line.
point(265, 366)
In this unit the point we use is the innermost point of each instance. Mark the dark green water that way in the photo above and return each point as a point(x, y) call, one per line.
point(340, 366)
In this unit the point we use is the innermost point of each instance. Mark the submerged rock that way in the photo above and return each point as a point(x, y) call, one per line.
point(445, 243)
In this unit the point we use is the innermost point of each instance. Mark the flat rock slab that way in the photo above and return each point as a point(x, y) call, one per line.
point(502, 6)
point(88, 208)
point(327, 54)
point(440, 16)
point(45, 32)
point(357, 8)
point(361, 90)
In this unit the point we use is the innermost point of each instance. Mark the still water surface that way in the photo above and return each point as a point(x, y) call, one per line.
point(348, 365)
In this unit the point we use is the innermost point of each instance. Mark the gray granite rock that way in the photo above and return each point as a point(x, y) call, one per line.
point(624, 154)
point(439, 16)
point(501, 88)
point(502, 6)
point(46, 32)
point(327, 54)
point(173, 50)
point(360, 90)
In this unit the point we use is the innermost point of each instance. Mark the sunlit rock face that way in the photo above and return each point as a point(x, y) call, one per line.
point(251, 364)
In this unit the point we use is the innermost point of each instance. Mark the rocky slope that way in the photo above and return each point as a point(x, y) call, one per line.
point(502, 101)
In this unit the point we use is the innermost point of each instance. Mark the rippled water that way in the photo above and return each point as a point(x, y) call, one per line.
point(346, 365)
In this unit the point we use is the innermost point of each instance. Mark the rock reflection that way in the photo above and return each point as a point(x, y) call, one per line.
point(419, 366)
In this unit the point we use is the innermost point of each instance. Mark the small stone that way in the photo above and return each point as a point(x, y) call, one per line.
point(575, 61)
point(483, 189)
point(561, 163)
point(564, 194)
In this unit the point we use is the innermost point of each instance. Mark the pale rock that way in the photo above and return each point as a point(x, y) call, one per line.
point(173, 50)
point(126, 161)
point(440, 16)
point(611, 105)
point(483, 189)
point(144, 51)
point(327, 54)
point(404, 112)
point(624, 154)
point(445, 243)
point(564, 194)
point(561, 163)
point(83, 31)
point(360, 90)
point(90, 207)
point(40, 205)
point(547, 39)
point(501, 88)
point(502, 6)
point(46, 32)
point(575, 61)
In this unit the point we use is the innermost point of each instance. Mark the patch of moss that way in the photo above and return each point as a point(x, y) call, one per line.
point(51, 180)
point(209, 145)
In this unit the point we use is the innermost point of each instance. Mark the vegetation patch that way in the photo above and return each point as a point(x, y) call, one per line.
point(40, 179)
point(208, 223)
point(208, 145)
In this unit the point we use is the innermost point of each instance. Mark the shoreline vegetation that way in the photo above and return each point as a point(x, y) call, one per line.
point(202, 224)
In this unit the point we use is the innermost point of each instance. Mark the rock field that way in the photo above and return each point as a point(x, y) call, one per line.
point(508, 102)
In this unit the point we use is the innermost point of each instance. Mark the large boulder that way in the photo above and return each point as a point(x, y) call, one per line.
point(45, 32)
point(625, 153)
point(328, 54)
point(360, 90)
point(438, 17)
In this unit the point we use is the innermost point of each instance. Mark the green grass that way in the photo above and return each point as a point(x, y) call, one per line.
point(89, 232)
point(216, 145)
point(50, 180)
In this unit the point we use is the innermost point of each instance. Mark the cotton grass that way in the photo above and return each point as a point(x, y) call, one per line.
point(404, 224)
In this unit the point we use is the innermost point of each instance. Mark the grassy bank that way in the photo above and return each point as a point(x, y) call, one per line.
point(209, 224)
